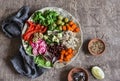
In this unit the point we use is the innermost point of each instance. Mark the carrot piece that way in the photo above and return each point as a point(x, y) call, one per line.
point(62, 57)
point(74, 26)
point(70, 50)
point(70, 28)
point(71, 23)
point(60, 60)
point(63, 52)
point(71, 54)
point(77, 29)
point(66, 53)
point(64, 28)
point(66, 59)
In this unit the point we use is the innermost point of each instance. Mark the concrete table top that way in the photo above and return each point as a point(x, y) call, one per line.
point(98, 18)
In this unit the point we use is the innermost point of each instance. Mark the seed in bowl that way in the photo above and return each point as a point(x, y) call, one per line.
point(96, 46)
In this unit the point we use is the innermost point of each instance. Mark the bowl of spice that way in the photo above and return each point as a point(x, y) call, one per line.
point(96, 46)
point(78, 74)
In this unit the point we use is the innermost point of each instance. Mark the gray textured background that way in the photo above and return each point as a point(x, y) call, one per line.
point(98, 18)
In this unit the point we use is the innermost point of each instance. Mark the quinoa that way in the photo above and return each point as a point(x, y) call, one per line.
point(69, 39)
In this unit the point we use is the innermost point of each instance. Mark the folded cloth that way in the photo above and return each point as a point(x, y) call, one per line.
point(24, 64)
point(13, 26)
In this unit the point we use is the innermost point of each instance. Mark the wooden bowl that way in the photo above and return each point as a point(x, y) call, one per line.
point(75, 70)
point(96, 47)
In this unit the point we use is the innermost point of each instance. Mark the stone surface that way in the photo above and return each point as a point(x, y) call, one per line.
point(98, 18)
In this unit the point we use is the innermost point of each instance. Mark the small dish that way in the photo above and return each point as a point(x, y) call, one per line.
point(77, 70)
point(96, 47)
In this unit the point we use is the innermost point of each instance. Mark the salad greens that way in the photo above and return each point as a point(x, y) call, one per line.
point(40, 61)
point(47, 18)
point(53, 37)
point(29, 50)
point(52, 20)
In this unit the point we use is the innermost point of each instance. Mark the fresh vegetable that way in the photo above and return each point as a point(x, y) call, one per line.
point(42, 62)
point(48, 63)
point(46, 18)
point(54, 25)
point(98, 72)
point(66, 20)
point(59, 22)
point(60, 17)
point(66, 55)
point(71, 26)
point(60, 28)
point(59, 35)
point(53, 37)
point(71, 23)
point(64, 28)
point(62, 23)
point(39, 47)
point(77, 29)
point(29, 50)
point(33, 28)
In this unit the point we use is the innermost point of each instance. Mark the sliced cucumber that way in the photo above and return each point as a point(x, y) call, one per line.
point(55, 39)
point(59, 35)
point(49, 32)
point(45, 37)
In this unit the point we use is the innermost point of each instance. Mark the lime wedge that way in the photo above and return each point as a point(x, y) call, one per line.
point(98, 72)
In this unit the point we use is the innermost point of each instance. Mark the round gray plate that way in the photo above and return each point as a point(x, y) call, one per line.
point(79, 35)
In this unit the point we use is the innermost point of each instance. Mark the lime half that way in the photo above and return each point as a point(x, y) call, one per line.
point(98, 72)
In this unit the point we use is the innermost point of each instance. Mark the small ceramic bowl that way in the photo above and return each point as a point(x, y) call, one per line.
point(75, 70)
point(96, 47)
